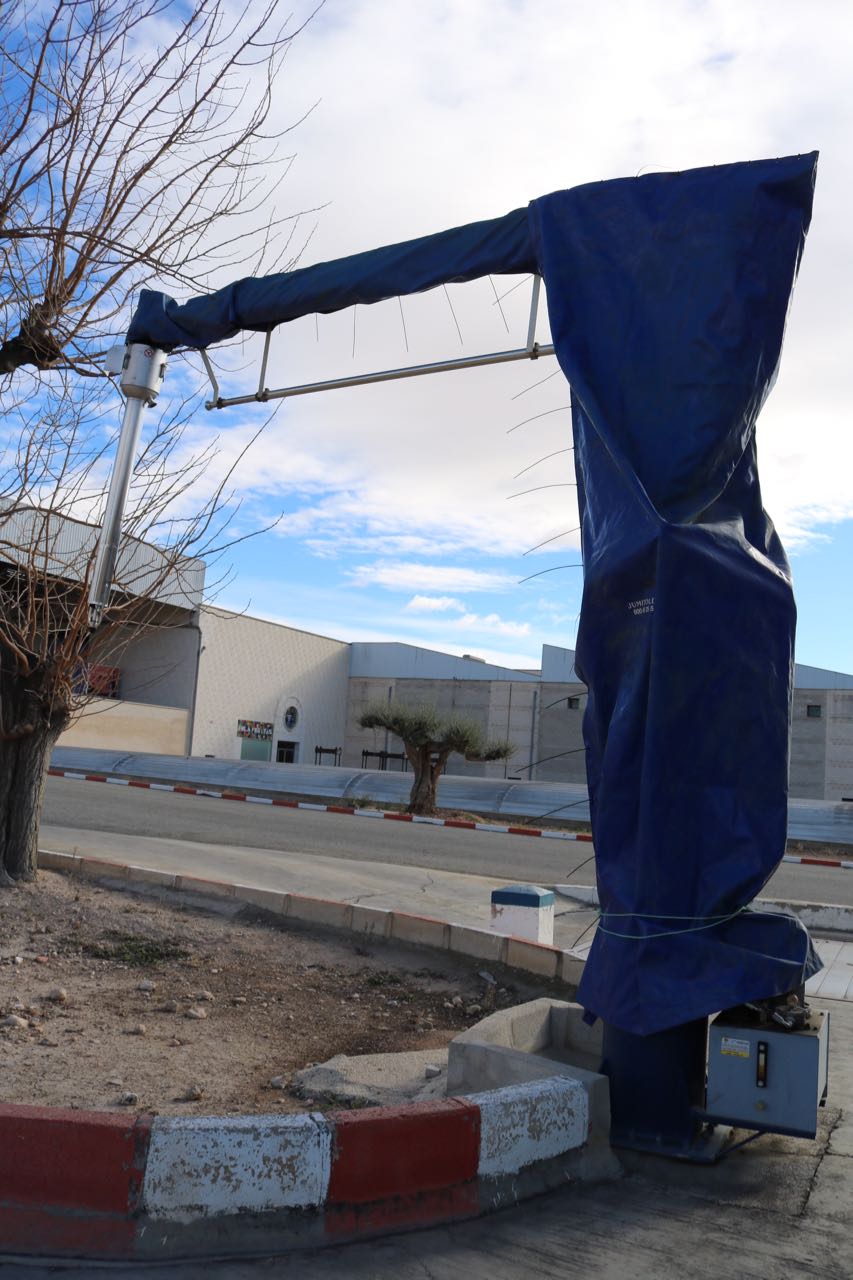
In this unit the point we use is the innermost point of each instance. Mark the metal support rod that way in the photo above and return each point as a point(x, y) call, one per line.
point(534, 308)
point(261, 393)
point(387, 375)
point(142, 370)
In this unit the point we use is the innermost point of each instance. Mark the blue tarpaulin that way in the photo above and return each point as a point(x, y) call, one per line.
point(667, 297)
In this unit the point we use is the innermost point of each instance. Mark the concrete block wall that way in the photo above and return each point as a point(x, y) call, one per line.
point(250, 669)
point(839, 746)
point(807, 778)
point(560, 730)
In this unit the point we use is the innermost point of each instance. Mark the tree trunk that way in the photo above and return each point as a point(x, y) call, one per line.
point(422, 798)
point(23, 769)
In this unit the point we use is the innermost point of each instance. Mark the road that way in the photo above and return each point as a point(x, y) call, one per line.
point(163, 815)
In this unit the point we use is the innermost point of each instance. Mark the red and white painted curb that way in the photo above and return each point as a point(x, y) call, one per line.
point(96, 1184)
point(185, 790)
point(845, 863)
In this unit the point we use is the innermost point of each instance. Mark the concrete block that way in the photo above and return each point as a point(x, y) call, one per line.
point(211, 888)
point(522, 1124)
point(213, 1165)
point(421, 930)
point(100, 868)
point(266, 899)
point(569, 1031)
point(371, 920)
point(321, 911)
point(525, 911)
point(147, 875)
point(480, 943)
point(533, 957)
point(569, 968)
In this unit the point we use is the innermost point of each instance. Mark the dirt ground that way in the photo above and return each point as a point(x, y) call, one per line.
point(116, 1001)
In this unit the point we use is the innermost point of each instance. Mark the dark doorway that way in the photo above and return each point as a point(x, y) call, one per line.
point(286, 752)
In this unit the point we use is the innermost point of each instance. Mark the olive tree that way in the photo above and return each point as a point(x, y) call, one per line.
point(429, 739)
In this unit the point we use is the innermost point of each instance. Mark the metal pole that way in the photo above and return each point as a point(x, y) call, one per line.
point(142, 372)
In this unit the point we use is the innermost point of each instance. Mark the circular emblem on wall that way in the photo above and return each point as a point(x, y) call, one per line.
point(291, 716)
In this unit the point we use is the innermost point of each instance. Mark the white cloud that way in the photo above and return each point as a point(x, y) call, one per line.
point(492, 622)
point(434, 604)
point(409, 576)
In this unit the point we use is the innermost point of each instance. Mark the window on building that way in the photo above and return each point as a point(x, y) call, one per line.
point(574, 704)
point(291, 717)
point(814, 710)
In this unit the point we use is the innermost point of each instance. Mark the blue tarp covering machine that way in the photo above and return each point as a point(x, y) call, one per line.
point(667, 297)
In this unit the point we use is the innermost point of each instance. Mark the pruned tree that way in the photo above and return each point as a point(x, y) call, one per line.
point(134, 146)
point(429, 740)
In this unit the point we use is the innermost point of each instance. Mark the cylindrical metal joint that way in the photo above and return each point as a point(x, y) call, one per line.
point(142, 372)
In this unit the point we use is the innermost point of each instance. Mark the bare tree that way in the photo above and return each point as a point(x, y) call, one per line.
point(429, 740)
point(133, 147)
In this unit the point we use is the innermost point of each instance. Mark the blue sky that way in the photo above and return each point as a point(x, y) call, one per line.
point(399, 515)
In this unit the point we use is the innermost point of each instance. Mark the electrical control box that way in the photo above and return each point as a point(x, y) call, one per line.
point(767, 1078)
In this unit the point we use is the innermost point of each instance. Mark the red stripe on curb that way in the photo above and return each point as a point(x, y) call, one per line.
point(133, 783)
point(53, 1158)
point(56, 773)
point(286, 804)
point(185, 791)
point(403, 1151)
point(822, 862)
point(581, 835)
point(398, 817)
point(231, 795)
point(457, 822)
point(425, 1210)
point(523, 831)
point(95, 777)
point(338, 808)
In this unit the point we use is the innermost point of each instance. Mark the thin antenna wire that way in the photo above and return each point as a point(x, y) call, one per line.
point(453, 313)
point(316, 327)
point(498, 301)
point(354, 310)
point(570, 449)
point(537, 415)
point(568, 484)
point(536, 384)
point(403, 318)
point(553, 569)
point(565, 532)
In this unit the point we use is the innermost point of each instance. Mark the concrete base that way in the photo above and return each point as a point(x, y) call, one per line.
point(535, 1041)
point(375, 1079)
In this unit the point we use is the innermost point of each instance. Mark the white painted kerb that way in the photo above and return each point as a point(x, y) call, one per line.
point(527, 1122)
point(227, 1164)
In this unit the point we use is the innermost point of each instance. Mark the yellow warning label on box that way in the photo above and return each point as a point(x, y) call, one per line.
point(734, 1048)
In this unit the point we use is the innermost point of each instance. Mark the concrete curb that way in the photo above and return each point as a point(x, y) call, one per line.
point(181, 789)
point(105, 1186)
point(376, 922)
point(835, 918)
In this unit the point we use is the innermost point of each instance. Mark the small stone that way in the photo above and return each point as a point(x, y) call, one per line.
point(474, 1008)
point(196, 1013)
point(277, 1082)
point(137, 1029)
point(239, 1000)
point(18, 960)
point(205, 995)
point(487, 977)
point(432, 1072)
point(128, 1099)
point(192, 1093)
point(457, 1002)
point(42, 960)
point(147, 986)
point(12, 1020)
point(169, 1006)
point(115, 1082)
point(58, 995)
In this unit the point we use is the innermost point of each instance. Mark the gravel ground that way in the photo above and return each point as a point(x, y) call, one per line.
point(115, 1001)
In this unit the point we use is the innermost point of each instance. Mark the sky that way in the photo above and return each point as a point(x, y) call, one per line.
point(401, 507)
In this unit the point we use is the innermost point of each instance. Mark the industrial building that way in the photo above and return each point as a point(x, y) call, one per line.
point(223, 684)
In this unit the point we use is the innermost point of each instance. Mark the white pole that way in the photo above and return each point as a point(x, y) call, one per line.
point(142, 372)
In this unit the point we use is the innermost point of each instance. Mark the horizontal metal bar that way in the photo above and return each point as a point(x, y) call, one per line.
point(387, 375)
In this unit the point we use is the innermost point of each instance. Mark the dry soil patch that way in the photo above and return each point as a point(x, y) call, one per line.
point(194, 1012)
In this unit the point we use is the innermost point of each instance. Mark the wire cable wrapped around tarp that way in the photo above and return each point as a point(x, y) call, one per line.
point(667, 297)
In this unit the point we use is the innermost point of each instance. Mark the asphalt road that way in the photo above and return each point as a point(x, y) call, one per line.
point(102, 807)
